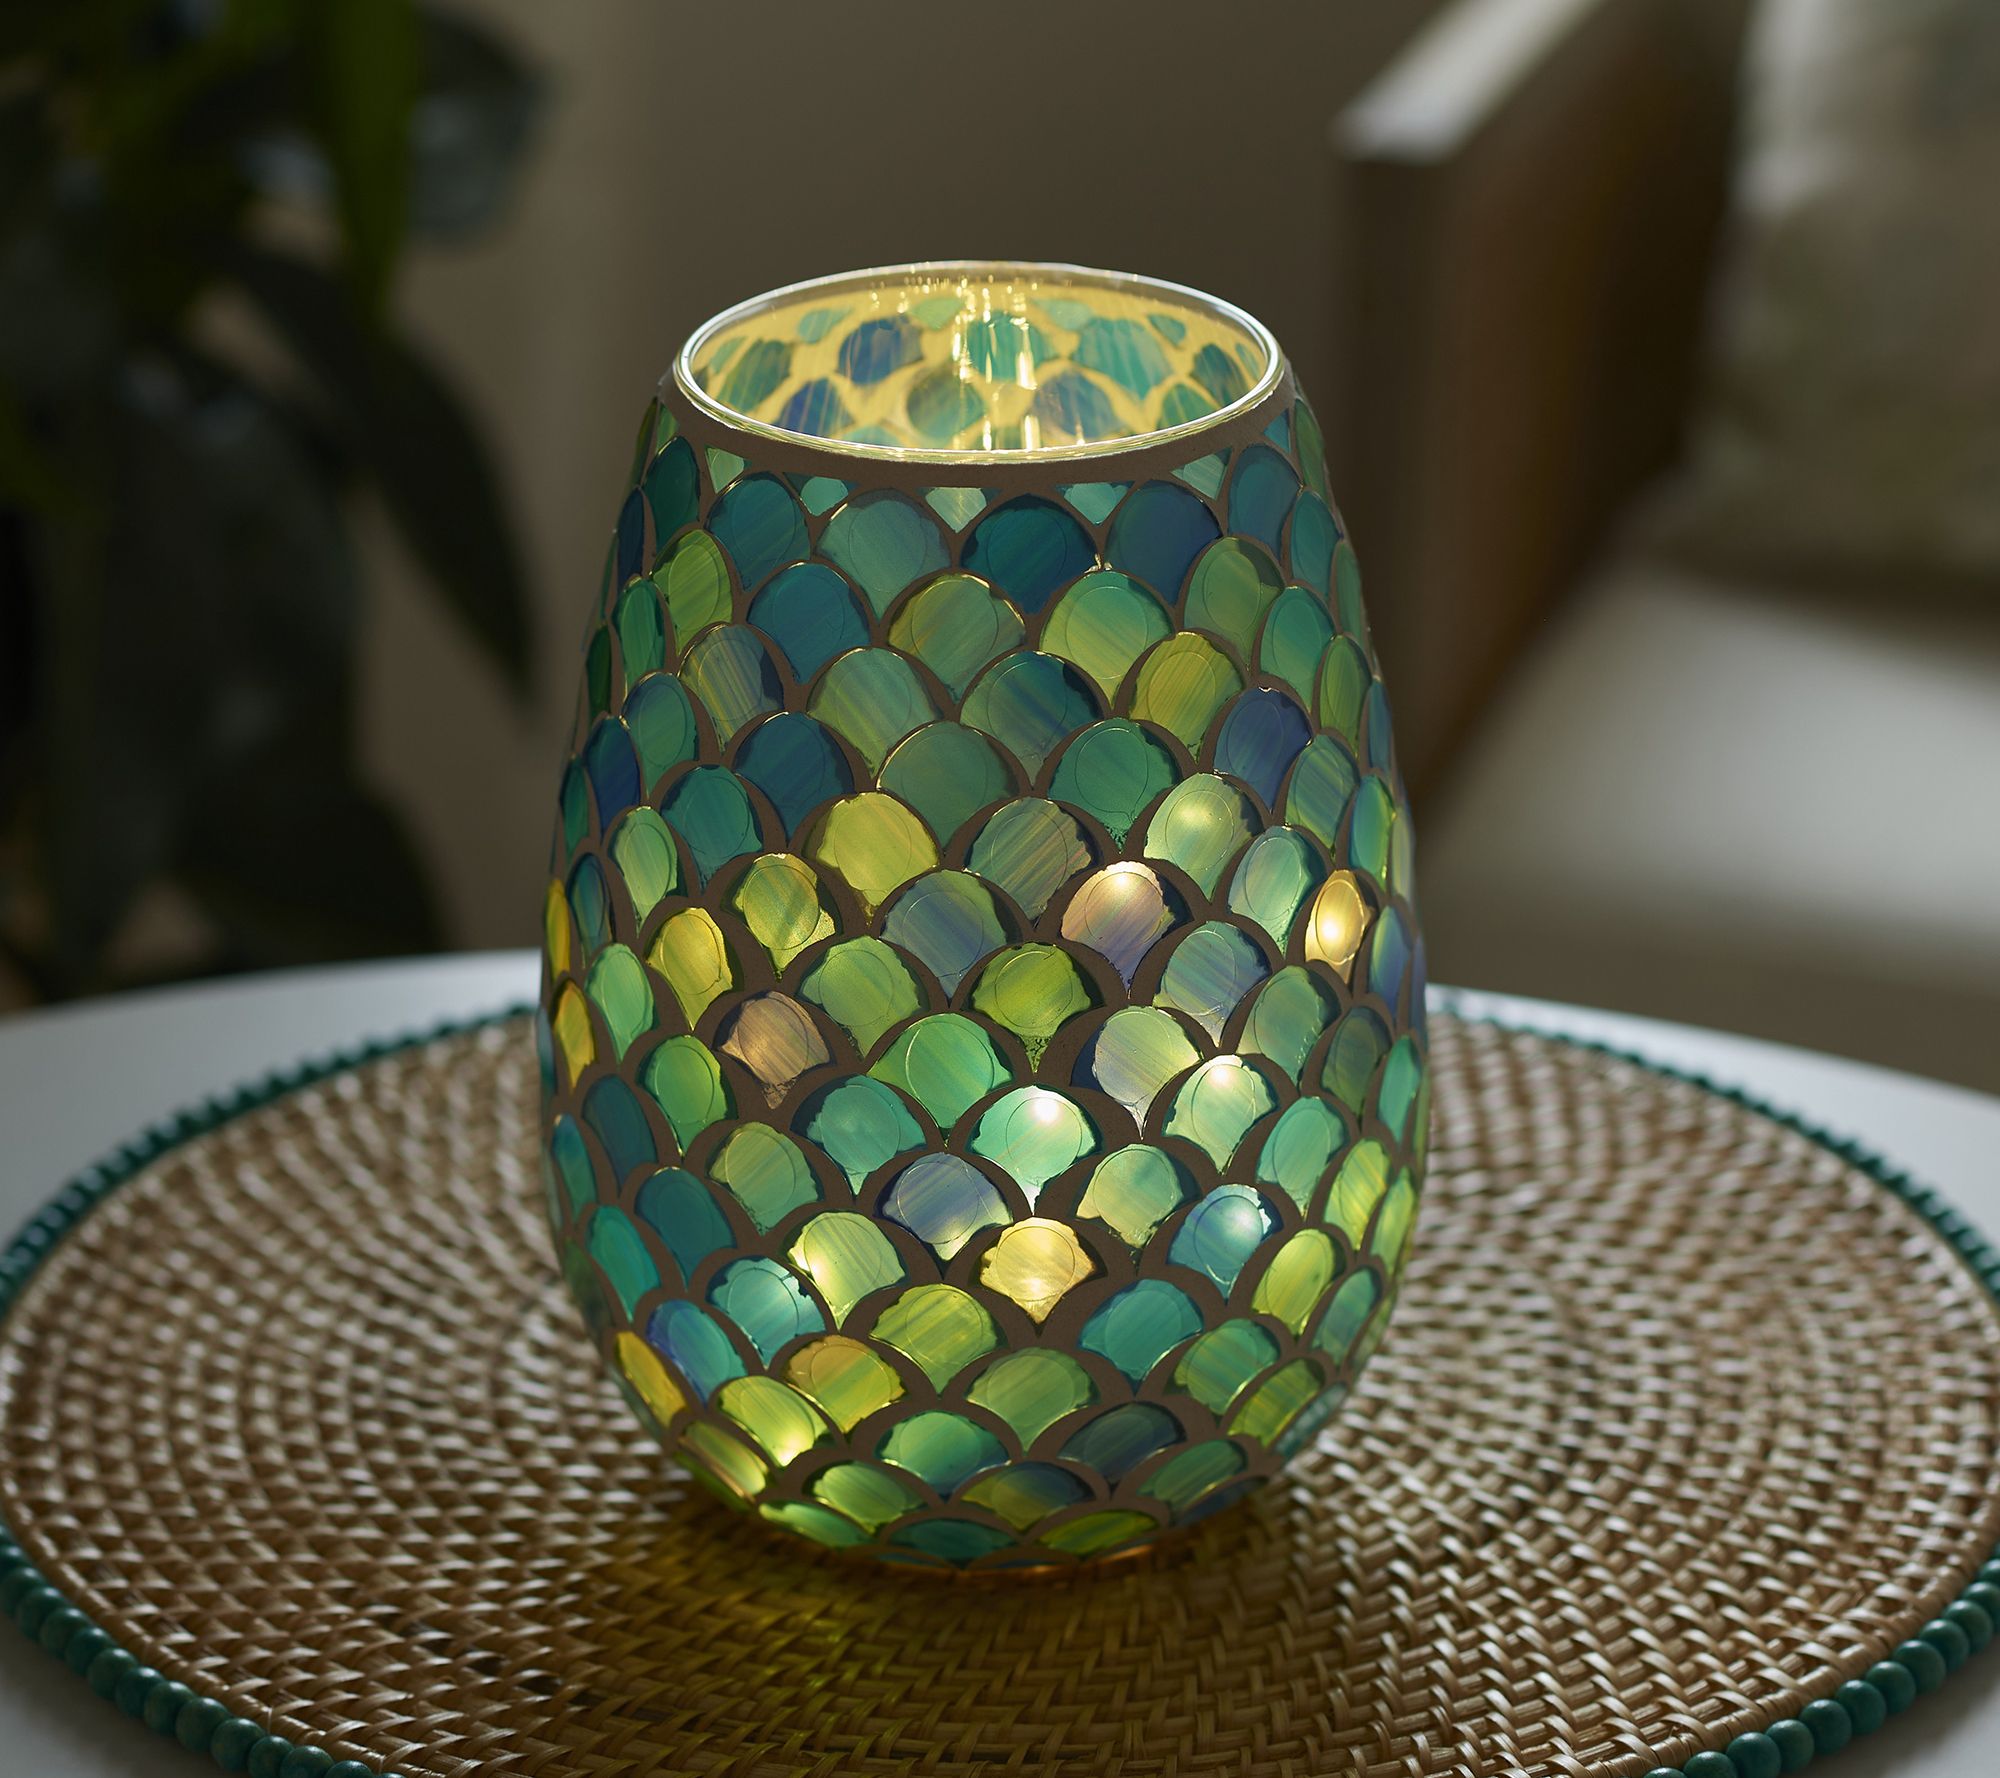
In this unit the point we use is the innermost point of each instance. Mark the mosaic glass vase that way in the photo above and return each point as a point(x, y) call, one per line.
point(982, 1020)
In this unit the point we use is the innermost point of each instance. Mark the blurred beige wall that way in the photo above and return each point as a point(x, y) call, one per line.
point(692, 156)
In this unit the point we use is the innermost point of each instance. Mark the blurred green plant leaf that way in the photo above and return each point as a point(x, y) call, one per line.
point(401, 421)
point(367, 62)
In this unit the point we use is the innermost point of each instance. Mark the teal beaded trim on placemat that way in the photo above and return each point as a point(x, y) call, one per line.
point(204, 1725)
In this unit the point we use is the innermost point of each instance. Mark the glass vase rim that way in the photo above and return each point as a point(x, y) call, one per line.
point(690, 388)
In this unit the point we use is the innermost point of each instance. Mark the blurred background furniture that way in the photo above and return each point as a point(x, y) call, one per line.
point(1652, 775)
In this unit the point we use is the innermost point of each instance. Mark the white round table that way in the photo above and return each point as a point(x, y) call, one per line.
point(77, 1081)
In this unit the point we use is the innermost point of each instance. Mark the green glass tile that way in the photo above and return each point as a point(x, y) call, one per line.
point(723, 467)
point(1357, 1051)
point(843, 1379)
point(1133, 1190)
point(766, 1173)
point(876, 844)
point(815, 324)
point(1361, 1184)
point(869, 1496)
point(1297, 1279)
point(847, 1257)
point(1311, 450)
point(1121, 913)
point(1323, 782)
point(815, 1523)
point(1095, 500)
point(1182, 404)
point(1261, 495)
point(955, 625)
point(872, 698)
point(1347, 606)
point(620, 1252)
point(1133, 1055)
point(710, 809)
point(695, 582)
point(1112, 772)
point(1031, 704)
point(1390, 1238)
point(691, 1340)
point(590, 905)
point(765, 1303)
point(1344, 681)
point(939, 1328)
point(1220, 375)
point(755, 375)
point(1277, 874)
point(1205, 473)
point(953, 1540)
point(1296, 633)
point(820, 494)
point(1368, 837)
point(1221, 1232)
point(1117, 1442)
point(682, 1211)
point(778, 899)
point(946, 1063)
point(1402, 1076)
point(642, 630)
point(693, 957)
point(1183, 685)
point(1032, 1389)
point(571, 1161)
point(947, 773)
point(1278, 1402)
point(1314, 534)
point(1098, 1534)
point(1036, 1263)
point(733, 676)
point(1347, 1314)
point(1030, 849)
point(947, 921)
point(1217, 1104)
point(1230, 590)
point(958, 507)
point(1302, 1145)
point(574, 802)
point(1220, 1365)
point(682, 1078)
point(945, 1451)
point(1032, 991)
point(861, 1125)
point(1140, 1326)
point(760, 526)
point(618, 988)
point(940, 404)
point(647, 859)
point(1210, 972)
point(882, 541)
point(1033, 1134)
point(660, 716)
point(1026, 1493)
point(1287, 1020)
point(612, 1110)
point(944, 1201)
point(1103, 624)
point(995, 346)
point(864, 987)
point(1200, 826)
point(1186, 1476)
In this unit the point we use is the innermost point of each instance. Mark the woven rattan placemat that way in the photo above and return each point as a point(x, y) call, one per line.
point(1688, 1423)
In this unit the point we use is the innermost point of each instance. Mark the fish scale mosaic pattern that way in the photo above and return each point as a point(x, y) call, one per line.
point(982, 1030)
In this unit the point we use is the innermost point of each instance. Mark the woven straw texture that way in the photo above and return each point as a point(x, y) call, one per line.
point(1683, 1420)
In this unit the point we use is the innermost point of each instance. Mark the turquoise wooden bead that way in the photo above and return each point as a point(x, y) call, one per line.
point(18, 1583)
point(163, 1705)
point(349, 1768)
point(108, 1671)
point(232, 1741)
point(1866, 1708)
point(1794, 1742)
point(1710, 1765)
point(306, 1762)
point(1975, 1620)
point(1990, 1574)
point(59, 1626)
point(1664, 1772)
point(1896, 1683)
point(267, 1758)
point(1755, 1756)
point(1926, 1664)
point(1948, 1639)
point(195, 1727)
point(1830, 1726)
point(85, 1646)
point(1986, 1596)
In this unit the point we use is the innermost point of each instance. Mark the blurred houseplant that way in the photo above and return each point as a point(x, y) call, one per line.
point(201, 206)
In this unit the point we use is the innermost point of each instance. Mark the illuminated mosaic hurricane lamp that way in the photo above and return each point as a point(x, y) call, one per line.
point(983, 1009)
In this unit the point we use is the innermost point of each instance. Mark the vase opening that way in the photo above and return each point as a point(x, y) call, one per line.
point(973, 359)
